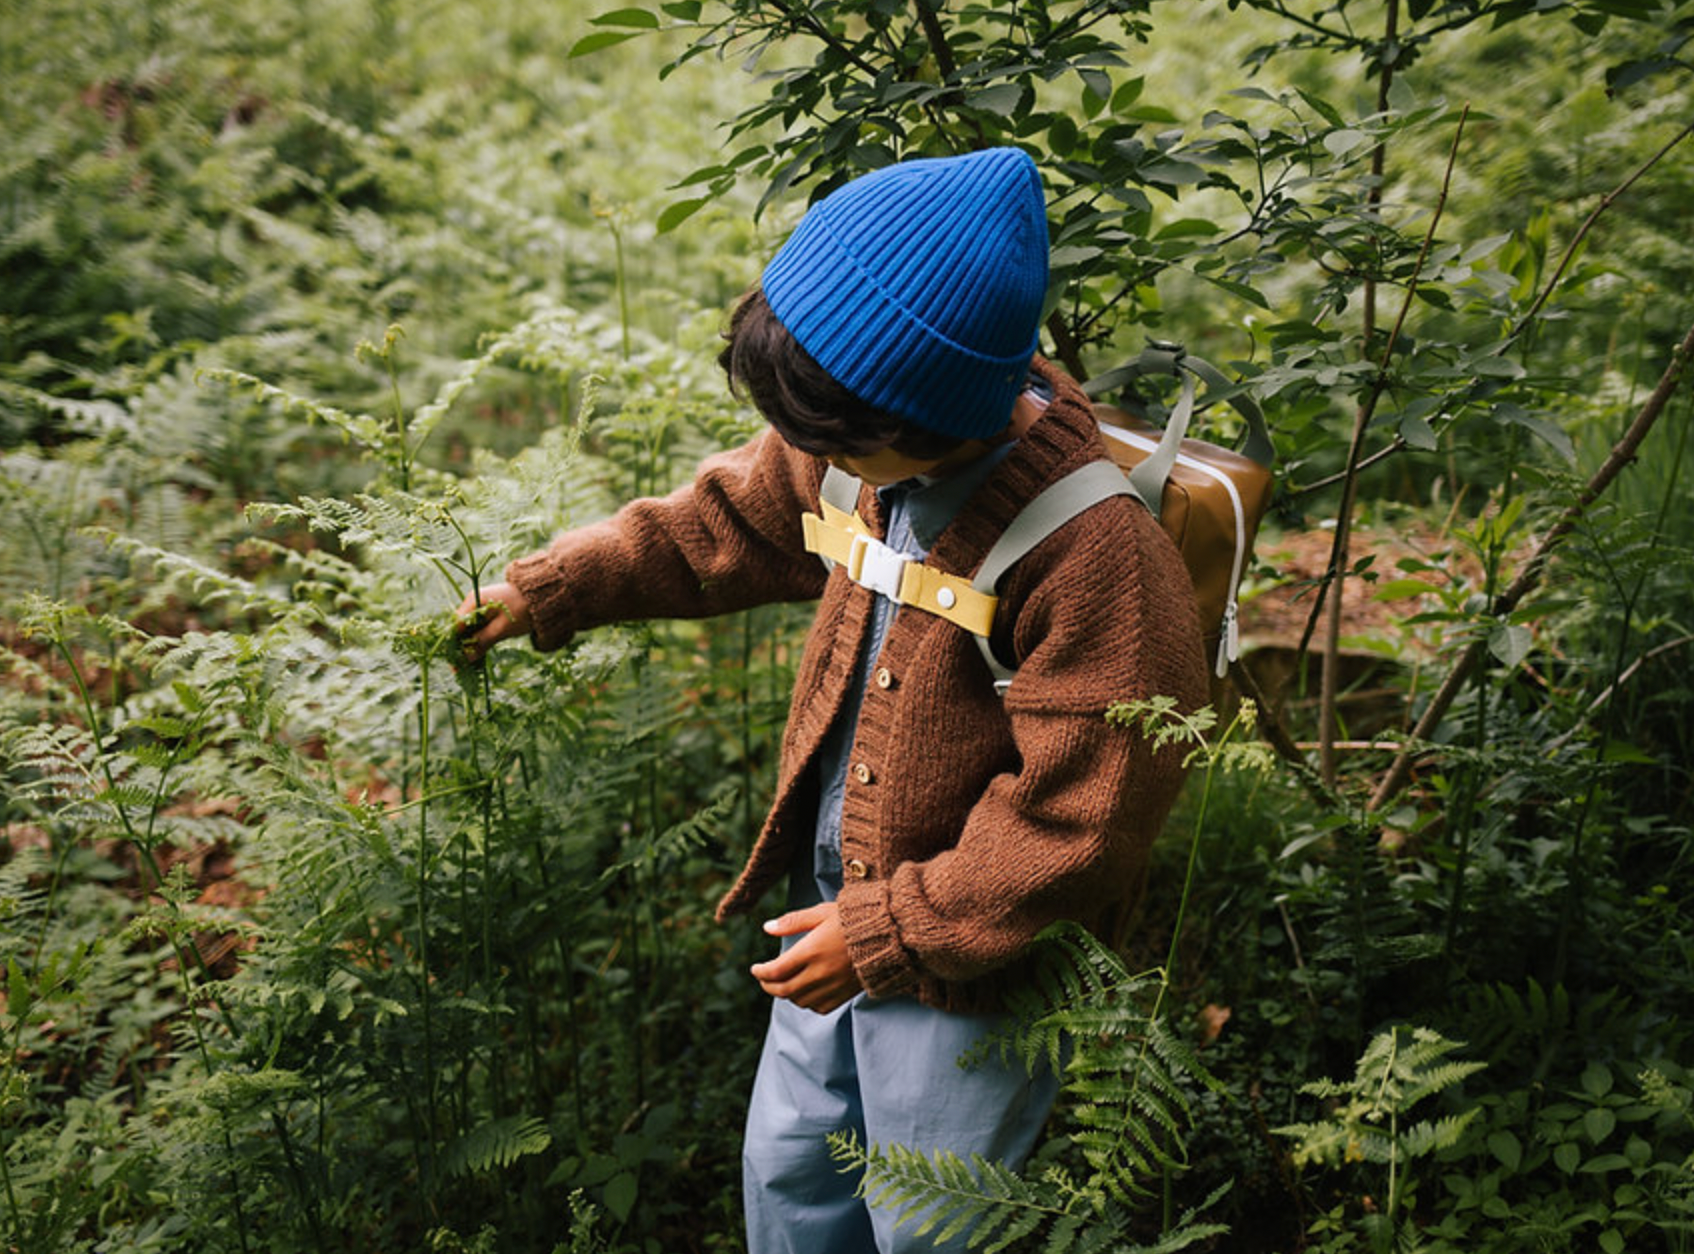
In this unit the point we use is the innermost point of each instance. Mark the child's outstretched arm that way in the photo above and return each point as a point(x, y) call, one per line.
point(490, 615)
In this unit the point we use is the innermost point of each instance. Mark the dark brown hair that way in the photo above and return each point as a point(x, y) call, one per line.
point(803, 401)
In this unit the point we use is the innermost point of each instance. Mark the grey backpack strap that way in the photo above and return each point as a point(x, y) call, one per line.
point(1150, 476)
point(1057, 505)
point(840, 489)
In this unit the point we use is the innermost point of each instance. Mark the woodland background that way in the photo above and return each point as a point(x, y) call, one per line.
point(314, 314)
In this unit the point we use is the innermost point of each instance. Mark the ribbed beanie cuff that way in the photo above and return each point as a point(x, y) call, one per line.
point(919, 287)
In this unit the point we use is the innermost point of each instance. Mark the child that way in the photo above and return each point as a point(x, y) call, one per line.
point(928, 827)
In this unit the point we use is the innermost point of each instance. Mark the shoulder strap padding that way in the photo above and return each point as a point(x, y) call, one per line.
point(1060, 502)
point(840, 489)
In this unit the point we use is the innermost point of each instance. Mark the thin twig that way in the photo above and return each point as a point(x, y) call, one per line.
point(1334, 584)
point(1276, 735)
point(1398, 443)
point(1610, 690)
point(801, 15)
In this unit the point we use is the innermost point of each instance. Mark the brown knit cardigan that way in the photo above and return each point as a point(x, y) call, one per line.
point(971, 821)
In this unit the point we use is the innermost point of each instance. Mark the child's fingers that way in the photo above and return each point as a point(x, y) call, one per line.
point(796, 921)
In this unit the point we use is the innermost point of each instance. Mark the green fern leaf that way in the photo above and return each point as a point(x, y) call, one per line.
point(498, 1143)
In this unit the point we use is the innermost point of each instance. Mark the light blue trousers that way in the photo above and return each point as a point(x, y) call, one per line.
point(889, 1071)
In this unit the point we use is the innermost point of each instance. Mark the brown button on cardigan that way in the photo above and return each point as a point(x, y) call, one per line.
point(991, 817)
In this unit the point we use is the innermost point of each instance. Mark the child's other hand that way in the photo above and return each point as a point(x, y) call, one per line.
point(499, 611)
point(815, 974)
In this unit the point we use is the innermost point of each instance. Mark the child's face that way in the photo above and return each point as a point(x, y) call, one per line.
point(885, 466)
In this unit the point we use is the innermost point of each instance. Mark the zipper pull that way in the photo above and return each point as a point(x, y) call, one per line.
point(1229, 642)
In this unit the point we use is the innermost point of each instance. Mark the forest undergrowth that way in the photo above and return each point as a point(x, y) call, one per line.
point(316, 937)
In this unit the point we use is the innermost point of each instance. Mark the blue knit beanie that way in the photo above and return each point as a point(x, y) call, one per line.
point(919, 287)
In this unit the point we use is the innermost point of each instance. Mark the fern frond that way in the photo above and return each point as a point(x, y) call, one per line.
point(81, 416)
point(497, 1143)
point(1179, 1056)
point(680, 838)
point(1398, 1069)
point(945, 1193)
point(1071, 986)
point(363, 429)
point(195, 580)
point(1444, 1133)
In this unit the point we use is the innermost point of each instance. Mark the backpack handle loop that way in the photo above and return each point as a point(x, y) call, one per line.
point(1168, 357)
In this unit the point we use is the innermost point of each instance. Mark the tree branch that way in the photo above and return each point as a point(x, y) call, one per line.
point(1398, 443)
point(1529, 578)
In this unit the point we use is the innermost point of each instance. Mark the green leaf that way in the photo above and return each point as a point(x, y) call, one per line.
point(683, 10)
point(1611, 1241)
point(1169, 172)
point(1249, 294)
point(1061, 135)
point(621, 1191)
point(18, 992)
point(1127, 94)
point(1001, 99)
point(675, 215)
point(1505, 1146)
point(1401, 589)
point(1596, 1079)
point(1638, 1152)
point(1417, 433)
point(1150, 113)
point(1555, 437)
point(1097, 82)
point(1186, 228)
point(1598, 1124)
point(1568, 1155)
point(597, 1170)
point(1323, 108)
point(597, 41)
point(1604, 1163)
point(640, 19)
point(1344, 141)
point(1510, 643)
point(1072, 255)
point(1495, 367)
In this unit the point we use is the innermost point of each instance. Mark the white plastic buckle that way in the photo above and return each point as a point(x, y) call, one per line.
point(873, 564)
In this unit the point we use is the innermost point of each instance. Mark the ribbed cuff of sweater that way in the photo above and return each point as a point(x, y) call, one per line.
point(881, 961)
point(551, 616)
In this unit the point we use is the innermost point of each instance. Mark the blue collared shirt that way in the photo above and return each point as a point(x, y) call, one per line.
point(918, 511)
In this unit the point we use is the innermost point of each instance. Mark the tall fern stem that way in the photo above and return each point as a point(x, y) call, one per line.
point(425, 999)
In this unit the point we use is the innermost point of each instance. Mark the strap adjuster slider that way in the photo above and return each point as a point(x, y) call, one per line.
point(872, 563)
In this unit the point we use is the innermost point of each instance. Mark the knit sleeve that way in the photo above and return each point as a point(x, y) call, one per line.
point(729, 540)
point(1062, 828)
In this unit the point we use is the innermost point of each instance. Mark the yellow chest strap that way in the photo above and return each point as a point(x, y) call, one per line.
point(842, 539)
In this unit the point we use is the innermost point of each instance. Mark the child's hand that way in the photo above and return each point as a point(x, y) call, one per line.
point(815, 974)
point(486, 618)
